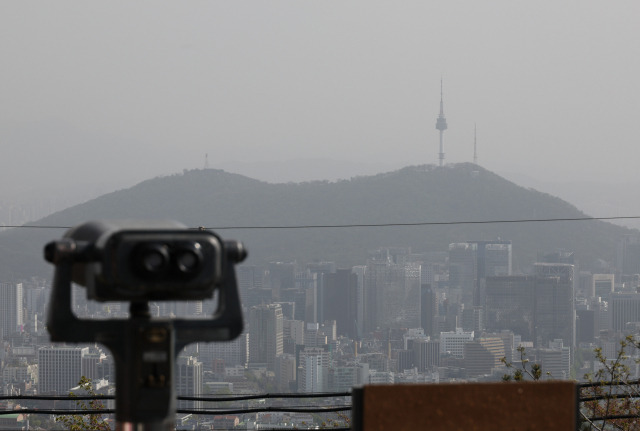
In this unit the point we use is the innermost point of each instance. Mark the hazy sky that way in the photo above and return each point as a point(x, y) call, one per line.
point(116, 92)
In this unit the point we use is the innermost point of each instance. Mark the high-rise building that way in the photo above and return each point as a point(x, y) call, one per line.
point(540, 308)
point(509, 304)
point(628, 257)
point(304, 295)
point(188, 380)
point(340, 301)
point(231, 353)
point(392, 298)
point(453, 342)
point(281, 277)
point(11, 308)
point(313, 373)
point(482, 355)
point(586, 326)
point(428, 309)
point(426, 354)
point(624, 308)
point(321, 270)
point(463, 271)
point(265, 334)
point(554, 303)
point(342, 378)
point(92, 363)
point(314, 336)
point(473, 318)
point(603, 285)
point(470, 263)
point(59, 368)
point(360, 272)
point(293, 329)
point(285, 372)
point(555, 360)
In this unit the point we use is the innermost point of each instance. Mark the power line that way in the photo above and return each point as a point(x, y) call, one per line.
point(394, 224)
point(443, 223)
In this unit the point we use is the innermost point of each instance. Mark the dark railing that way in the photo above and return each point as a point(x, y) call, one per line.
point(331, 408)
point(334, 408)
point(595, 398)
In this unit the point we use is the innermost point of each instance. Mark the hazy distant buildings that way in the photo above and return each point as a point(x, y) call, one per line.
point(540, 307)
point(11, 308)
point(463, 271)
point(555, 360)
point(188, 381)
point(509, 304)
point(482, 355)
point(340, 295)
point(59, 368)
point(392, 293)
point(628, 257)
point(624, 308)
point(313, 372)
point(453, 342)
point(286, 372)
point(321, 270)
point(360, 272)
point(428, 309)
point(471, 262)
point(281, 277)
point(265, 334)
point(425, 354)
point(231, 353)
point(554, 306)
point(603, 285)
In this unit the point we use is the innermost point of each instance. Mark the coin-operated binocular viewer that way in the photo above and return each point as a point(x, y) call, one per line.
point(141, 262)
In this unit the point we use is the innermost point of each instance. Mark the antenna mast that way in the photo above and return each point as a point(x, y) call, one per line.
point(475, 146)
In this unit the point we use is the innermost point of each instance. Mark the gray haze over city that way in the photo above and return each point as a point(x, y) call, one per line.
point(439, 271)
point(100, 96)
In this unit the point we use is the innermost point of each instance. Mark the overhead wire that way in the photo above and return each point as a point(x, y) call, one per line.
point(390, 224)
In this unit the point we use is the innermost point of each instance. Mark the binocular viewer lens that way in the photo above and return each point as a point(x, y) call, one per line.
point(151, 260)
point(154, 261)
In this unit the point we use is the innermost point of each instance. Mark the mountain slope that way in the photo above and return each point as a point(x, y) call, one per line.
point(214, 198)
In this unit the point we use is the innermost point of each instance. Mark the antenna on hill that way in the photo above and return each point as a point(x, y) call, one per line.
point(475, 146)
point(206, 161)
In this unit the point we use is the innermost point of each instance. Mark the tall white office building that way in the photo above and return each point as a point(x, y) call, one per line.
point(313, 370)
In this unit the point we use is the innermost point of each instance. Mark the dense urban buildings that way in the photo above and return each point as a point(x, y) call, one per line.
point(401, 317)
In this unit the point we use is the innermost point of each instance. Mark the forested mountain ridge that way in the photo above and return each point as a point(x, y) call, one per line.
point(416, 194)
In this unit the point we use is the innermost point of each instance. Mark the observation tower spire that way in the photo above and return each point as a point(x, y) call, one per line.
point(441, 125)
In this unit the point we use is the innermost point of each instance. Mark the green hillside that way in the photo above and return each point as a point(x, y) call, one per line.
point(215, 198)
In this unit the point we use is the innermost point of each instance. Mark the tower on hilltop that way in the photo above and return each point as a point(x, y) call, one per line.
point(441, 125)
point(475, 146)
